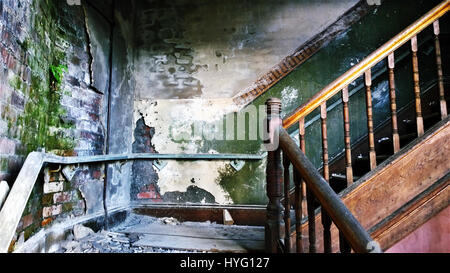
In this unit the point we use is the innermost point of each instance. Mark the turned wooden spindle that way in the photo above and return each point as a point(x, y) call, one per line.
point(347, 138)
point(395, 136)
point(415, 65)
point(437, 46)
point(311, 221)
point(323, 119)
point(274, 180)
point(326, 220)
point(287, 205)
point(343, 244)
point(298, 207)
point(372, 154)
point(301, 137)
point(308, 194)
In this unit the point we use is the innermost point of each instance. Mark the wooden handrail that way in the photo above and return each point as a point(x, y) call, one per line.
point(358, 70)
point(18, 197)
point(333, 209)
point(355, 234)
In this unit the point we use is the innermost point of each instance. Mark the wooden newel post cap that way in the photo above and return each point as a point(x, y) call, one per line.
point(273, 106)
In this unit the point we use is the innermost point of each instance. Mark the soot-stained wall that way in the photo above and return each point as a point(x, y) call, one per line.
point(214, 49)
point(48, 103)
point(247, 185)
point(191, 58)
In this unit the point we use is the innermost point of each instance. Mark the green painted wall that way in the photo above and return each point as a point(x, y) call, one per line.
point(347, 50)
point(337, 57)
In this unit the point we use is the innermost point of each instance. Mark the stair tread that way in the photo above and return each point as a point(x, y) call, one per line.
point(343, 176)
point(379, 157)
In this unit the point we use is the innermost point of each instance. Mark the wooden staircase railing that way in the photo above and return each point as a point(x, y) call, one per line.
point(277, 226)
point(295, 155)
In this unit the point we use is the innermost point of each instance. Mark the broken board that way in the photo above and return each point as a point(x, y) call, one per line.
point(199, 237)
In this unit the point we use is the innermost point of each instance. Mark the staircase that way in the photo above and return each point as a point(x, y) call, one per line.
point(379, 190)
point(391, 186)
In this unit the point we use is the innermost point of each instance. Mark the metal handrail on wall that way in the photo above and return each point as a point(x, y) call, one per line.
point(17, 199)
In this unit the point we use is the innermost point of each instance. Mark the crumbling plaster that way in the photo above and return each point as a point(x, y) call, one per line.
point(214, 49)
point(193, 56)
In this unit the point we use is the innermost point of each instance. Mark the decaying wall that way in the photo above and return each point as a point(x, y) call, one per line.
point(54, 83)
point(191, 58)
point(121, 104)
point(214, 49)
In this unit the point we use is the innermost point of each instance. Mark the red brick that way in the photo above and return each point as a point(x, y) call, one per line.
point(61, 197)
point(51, 211)
point(11, 63)
point(27, 221)
point(149, 192)
point(46, 222)
point(96, 174)
point(145, 195)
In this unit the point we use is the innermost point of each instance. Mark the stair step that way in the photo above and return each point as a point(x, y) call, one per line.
point(387, 141)
point(427, 119)
point(343, 177)
point(379, 157)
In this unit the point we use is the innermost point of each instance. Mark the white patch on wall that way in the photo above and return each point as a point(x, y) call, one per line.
point(289, 95)
point(169, 115)
point(379, 95)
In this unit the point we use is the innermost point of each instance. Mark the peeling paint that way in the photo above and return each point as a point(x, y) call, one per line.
point(213, 49)
point(176, 176)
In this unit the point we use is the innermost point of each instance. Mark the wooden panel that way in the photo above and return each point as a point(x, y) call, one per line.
point(408, 219)
point(17, 199)
point(395, 182)
point(242, 215)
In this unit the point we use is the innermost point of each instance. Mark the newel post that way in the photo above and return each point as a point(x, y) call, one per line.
point(274, 177)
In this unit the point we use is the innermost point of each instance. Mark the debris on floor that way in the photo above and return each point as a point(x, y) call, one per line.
point(145, 234)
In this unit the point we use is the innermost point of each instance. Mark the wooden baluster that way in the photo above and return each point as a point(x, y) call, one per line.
point(274, 177)
point(311, 221)
point(298, 210)
point(309, 195)
point(300, 191)
point(343, 244)
point(323, 119)
point(287, 205)
point(395, 136)
point(437, 47)
point(347, 138)
point(372, 154)
point(301, 137)
point(415, 64)
point(326, 220)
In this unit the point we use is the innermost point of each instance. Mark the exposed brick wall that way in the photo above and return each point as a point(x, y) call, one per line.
point(35, 115)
